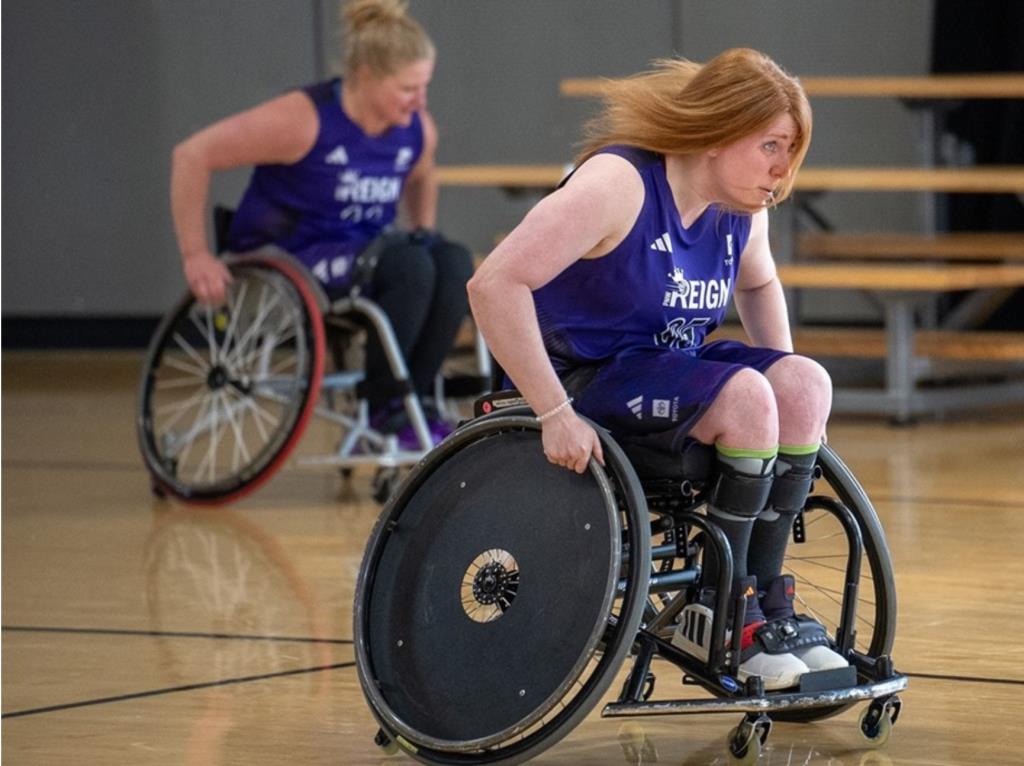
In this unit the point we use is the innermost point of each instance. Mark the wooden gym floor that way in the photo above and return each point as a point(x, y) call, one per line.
point(139, 631)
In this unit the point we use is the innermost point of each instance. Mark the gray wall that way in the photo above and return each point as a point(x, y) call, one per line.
point(96, 93)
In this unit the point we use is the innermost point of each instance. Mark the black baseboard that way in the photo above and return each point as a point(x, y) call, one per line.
point(50, 332)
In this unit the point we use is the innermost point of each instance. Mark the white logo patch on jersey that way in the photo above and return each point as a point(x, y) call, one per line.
point(352, 187)
point(403, 158)
point(338, 156)
point(662, 244)
point(681, 332)
point(636, 406)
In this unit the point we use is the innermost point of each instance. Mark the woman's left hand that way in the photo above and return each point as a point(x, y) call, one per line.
point(569, 441)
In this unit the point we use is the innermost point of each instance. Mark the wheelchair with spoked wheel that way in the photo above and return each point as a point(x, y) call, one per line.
point(227, 391)
point(499, 597)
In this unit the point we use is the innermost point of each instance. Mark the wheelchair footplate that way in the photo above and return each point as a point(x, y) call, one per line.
point(769, 702)
point(879, 684)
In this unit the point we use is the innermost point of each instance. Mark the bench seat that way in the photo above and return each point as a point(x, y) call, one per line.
point(947, 246)
point(870, 343)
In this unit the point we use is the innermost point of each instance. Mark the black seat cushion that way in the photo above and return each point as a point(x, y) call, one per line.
point(693, 464)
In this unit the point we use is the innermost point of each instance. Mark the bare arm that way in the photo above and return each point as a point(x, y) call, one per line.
point(760, 302)
point(420, 194)
point(586, 218)
point(282, 130)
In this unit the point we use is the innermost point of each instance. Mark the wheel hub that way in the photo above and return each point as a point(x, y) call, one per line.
point(490, 585)
point(217, 377)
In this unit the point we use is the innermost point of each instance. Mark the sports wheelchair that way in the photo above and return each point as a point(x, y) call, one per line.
point(226, 392)
point(499, 596)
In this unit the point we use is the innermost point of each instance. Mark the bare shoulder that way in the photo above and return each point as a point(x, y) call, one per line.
point(759, 224)
point(607, 173)
point(757, 241)
point(429, 133)
point(294, 108)
point(609, 189)
point(756, 264)
point(280, 130)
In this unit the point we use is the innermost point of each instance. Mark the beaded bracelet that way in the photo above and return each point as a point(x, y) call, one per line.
point(554, 410)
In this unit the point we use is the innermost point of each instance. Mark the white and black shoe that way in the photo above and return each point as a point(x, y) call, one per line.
point(778, 668)
point(777, 606)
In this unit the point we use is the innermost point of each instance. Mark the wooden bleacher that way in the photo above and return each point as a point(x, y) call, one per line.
point(948, 246)
point(987, 179)
point(916, 277)
point(870, 343)
point(987, 85)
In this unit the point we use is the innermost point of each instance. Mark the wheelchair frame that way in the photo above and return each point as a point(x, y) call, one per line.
point(651, 585)
point(226, 392)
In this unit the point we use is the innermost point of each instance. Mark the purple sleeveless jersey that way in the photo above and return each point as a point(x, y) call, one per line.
point(325, 208)
point(626, 331)
point(664, 286)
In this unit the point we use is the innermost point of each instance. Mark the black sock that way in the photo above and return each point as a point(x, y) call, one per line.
point(770, 536)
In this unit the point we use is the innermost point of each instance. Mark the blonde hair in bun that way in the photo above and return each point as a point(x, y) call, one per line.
point(380, 35)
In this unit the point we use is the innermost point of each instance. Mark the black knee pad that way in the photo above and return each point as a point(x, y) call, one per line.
point(789, 491)
point(739, 493)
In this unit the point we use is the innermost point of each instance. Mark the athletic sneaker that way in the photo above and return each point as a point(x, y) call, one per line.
point(439, 429)
point(392, 418)
point(777, 604)
point(778, 669)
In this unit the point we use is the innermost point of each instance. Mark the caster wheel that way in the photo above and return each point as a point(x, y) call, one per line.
point(745, 744)
point(876, 725)
point(157, 489)
point(385, 743)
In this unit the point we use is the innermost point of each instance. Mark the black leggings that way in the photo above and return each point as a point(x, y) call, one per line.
point(422, 289)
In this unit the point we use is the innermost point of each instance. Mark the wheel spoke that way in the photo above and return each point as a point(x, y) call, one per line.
point(237, 428)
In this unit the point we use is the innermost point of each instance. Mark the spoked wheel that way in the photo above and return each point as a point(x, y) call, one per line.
point(499, 595)
point(226, 391)
point(819, 565)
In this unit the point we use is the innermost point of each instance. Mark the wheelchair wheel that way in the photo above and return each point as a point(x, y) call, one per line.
point(818, 562)
point(498, 595)
point(226, 391)
point(819, 566)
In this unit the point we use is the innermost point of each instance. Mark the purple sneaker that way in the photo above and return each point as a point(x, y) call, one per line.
point(439, 430)
point(389, 418)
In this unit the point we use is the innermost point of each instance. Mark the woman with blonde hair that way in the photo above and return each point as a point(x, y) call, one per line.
point(333, 161)
point(601, 301)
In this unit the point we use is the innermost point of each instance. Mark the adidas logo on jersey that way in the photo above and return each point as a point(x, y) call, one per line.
point(662, 244)
point(338, 156)
point(636, 406)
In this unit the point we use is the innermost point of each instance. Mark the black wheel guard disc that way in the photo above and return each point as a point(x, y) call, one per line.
point(455, 677)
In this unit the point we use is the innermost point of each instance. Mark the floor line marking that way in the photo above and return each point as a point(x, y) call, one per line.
point(174, 689)
point(171, 634)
